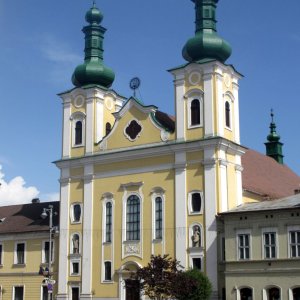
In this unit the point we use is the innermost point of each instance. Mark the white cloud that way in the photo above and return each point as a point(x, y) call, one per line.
point(49, 197)
point(15, 191)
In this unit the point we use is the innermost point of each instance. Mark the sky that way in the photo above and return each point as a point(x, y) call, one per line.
point(41, 44)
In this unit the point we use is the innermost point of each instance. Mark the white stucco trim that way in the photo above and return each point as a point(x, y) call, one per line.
point(89, 128)
point(223, 181)
point(210, 197)
point(291, 296)
point(238, 291)
point(236, 111)
point(191, 95)
point(265, 291)
point(219, 101)
point(269, 230)
point(72, 213)
point(74, 118)
point(87, 239)
point(180, 208)
point(243, 232)
point(228, 97)
point(15, 252)
point(64, 236)
point(66, 136)
point(190, 209)
point(208, 103)
point(239, 185)
point(179, 105)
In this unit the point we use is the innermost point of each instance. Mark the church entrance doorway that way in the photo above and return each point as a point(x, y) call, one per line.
point(132, 289)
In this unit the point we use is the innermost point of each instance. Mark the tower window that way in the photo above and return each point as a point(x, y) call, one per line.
point(107, 128)
point(76, 211)
point(197, 263)
point(133, 219)
point(108, 225)
point(195, 112)
point(78, 133)
point(196, 202)
point(227, 114)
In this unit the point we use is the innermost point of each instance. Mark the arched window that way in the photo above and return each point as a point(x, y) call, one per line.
point(78, 133)
point(108, 222)
point(195, 112)
point(273, 293)
point(107, 128)
point(227, 114)
point(296, 293)
point(246, 294)
point(133, 218)
point(75, 243)
point(158, 217)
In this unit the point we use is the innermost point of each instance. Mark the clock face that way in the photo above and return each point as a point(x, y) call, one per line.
point(135, 83)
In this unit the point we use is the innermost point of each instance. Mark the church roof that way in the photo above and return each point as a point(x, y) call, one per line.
point(26, 217)
point(283, 203)
point(264, 176)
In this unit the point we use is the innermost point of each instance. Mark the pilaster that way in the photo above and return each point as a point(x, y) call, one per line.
point(180, 106)
point(208, 103)
point(235, 88)
point(89, 133)
point(67, 134)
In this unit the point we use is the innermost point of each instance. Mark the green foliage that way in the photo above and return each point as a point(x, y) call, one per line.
point(193, 285)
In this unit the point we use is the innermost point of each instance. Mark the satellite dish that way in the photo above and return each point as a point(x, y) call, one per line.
point(134, 84)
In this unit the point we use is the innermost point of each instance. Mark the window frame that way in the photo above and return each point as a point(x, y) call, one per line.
point(265, 231)
point(72, 215)
point(108, 226)
point(291, 229)
point(244, 287)
point(190, 204)
point(44, 253)
point(16, 254)
point(74, 286)
point(195, 95)
point(159, 193)
point(75, 260)
point(239, 233)
point(228, 98)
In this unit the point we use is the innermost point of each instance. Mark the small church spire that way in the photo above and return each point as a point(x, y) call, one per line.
point(274, 146)
point(93, 71)
point(206, 44)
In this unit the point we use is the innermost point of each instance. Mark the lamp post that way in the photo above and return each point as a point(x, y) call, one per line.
point(44, 215)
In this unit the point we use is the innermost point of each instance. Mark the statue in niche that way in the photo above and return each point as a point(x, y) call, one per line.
point(196, 237)
point(75, 242)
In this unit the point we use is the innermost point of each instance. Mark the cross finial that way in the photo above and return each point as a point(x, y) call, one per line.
point(272, 114)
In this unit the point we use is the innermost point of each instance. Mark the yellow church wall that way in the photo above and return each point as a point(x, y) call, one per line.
point(76, 171)
point(135, 163)
point(77, 151)
point(249, 197)
point(76, 191)
point(195, 155)
point(232, 186)
point(149, 134)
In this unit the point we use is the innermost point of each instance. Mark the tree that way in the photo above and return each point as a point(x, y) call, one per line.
point(163, 278)
point(192, 285)
point(157, 279)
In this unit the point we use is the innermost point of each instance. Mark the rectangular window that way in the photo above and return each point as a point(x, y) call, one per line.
point(75, 268)
point(45, 293)
point(18, 293)
point(20, 253)
point(295, 243)
point(1, 254)
point(270, 244)
point(46, 252)
point(197, 263)
point(75, 293)
point(133, 219)
point(244, 246)
point(108, 220)
point(107, 266)
point(158, 218)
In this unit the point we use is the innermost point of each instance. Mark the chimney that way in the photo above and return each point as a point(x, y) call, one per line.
point(35, 200)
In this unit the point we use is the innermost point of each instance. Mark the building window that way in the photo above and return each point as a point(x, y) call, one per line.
point(270, 244)
point(78, 128)
point(158, 217)
point(107, 128)
point(295, 243)
point(227, 114)
point(195, 202)
point(107, 268)
point(296, 293)
point(108, 222)
point(18, 292)
point(197, 263)
point(273, 293)
point(244, 246)
point(195, 112)
point(45, 293)
point(76, 213)
point(1, 254)
point(74, 293)
point(46, 252)
point(246, 294)
point(78, 133)
point(20, 254)
point(75, 243)
point(133, 218)
point(75, 267)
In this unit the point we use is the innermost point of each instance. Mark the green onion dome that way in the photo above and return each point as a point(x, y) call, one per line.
point(93, 70)
point(206, 44)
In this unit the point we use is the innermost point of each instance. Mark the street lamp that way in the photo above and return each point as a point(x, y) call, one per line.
point(44, 215)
